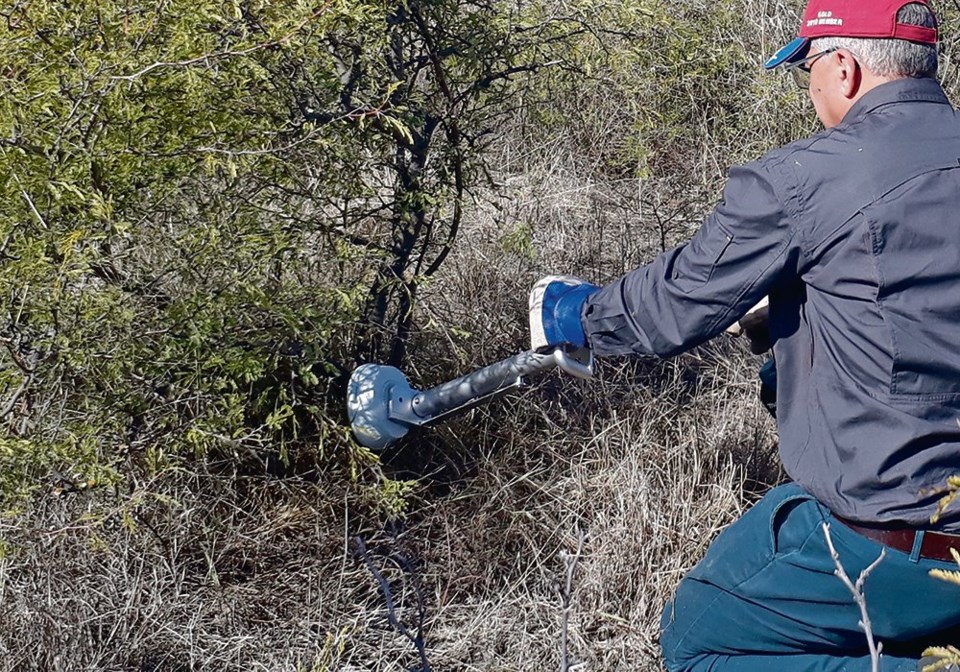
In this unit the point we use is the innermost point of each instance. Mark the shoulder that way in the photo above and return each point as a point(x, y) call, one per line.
point(779, 176)
point(799, 156)
point(818, 164)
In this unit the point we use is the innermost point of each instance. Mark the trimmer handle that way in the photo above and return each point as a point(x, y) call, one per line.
point(573, 363)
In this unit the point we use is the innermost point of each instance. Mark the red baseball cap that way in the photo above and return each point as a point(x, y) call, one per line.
point(851, 18)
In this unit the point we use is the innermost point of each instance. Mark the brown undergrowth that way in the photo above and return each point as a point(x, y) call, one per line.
point(204, 568)
point(239, 573)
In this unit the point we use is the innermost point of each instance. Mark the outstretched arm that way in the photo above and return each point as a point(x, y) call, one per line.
point(691, 293)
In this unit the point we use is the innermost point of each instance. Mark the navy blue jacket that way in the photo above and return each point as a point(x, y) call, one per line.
point(855, 235)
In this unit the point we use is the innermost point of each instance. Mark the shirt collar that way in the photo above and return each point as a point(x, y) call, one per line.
point(906, 89)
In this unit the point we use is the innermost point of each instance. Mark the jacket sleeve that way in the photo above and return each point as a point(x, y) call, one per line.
point(693, 292)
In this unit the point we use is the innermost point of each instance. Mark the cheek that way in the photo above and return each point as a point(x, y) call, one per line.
point(816, 97)
point(822, 106)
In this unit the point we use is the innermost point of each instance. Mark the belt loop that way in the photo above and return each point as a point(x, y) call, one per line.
point(917, 545)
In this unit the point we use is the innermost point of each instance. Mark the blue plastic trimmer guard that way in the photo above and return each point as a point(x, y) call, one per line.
point(383, 407)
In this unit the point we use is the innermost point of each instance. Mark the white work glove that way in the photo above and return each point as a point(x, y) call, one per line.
point(755, 325)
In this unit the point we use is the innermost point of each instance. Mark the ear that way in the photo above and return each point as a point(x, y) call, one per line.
point(849, 73)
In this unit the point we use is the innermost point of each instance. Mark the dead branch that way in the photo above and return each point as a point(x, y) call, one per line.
point(566, 601)
point(416, 640)
point(856, 589)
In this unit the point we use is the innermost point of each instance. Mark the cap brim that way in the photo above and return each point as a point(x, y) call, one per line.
point(792, 51)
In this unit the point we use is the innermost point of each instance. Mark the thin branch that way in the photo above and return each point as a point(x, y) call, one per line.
point(487, 80)
point(26, 197)
point(566, 598)
point(416, 640)
point(28, 367)
point(359, 241)
point(374, 113)
point(12, 401)
point(856, 589)
point(221, 54)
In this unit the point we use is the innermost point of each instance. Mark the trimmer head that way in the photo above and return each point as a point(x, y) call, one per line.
point(371, 389)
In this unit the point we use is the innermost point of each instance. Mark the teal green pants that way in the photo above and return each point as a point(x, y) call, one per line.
point(765, 598)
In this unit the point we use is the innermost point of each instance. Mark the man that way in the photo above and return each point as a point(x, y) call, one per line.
point(854, 234)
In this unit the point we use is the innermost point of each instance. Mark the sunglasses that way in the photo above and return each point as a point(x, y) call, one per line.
point(801, 69)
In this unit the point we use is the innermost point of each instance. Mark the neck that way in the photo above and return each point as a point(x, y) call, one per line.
point(868, 82)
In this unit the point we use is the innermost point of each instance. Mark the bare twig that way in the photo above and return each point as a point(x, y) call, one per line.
point(856, 589)
point(566, 598)
point(205, 58)
point(416, 640)
point(26, 197)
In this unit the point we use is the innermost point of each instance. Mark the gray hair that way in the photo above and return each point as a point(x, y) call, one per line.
point(891, 57)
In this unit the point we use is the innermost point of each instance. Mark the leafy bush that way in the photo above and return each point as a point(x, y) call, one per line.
point(164, 294)
point(214, 209)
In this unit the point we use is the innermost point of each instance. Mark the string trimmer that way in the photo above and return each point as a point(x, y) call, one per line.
point(383, 407)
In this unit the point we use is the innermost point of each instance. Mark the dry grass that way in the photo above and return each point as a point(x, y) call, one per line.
point(216, 571)
point(204, 573)
point(651, 460)
point(650, 489)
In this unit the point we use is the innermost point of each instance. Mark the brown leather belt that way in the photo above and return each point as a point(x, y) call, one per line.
point(935, 545)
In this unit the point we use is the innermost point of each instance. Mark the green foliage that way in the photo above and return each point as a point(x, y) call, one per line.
point(23, 462)
point(212, 209)
point(163, 295)
point(671, 87)
point(946, 655)
point(519, 241)
point(390, 498)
